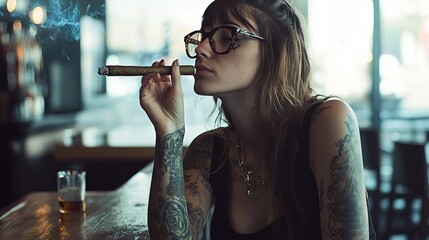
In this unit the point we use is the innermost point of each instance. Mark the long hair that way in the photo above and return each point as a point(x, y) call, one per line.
point(284, 94)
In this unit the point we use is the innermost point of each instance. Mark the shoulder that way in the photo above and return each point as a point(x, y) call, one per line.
point(199, 152)
point(333, 126)
point(330, 113)
point(207, 137)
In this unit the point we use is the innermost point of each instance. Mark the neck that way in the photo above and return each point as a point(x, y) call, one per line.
point(242, 109)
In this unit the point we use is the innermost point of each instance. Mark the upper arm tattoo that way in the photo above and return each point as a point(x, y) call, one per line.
point(344, 201)
point(196, 218)
point(197, 158)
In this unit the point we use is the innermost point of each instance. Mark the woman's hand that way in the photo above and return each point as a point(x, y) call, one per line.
point(162, 99)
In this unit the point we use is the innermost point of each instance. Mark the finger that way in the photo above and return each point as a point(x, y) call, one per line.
point(146, 82)
point(156, 78)
point(163, 78)
point(149, 75)
point(146, 77)
point(175, 75)
point(159, 64)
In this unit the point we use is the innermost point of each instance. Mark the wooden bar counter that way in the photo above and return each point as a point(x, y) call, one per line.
point(119, 214)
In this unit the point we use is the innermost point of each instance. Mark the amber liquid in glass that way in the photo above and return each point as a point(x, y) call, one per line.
point(71, 206)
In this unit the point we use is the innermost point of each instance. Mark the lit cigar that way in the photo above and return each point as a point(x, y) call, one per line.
point(117, 70)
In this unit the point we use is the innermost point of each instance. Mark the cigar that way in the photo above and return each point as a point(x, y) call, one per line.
point(116, 70)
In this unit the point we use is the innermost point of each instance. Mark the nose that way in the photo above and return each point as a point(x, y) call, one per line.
point(204, 49)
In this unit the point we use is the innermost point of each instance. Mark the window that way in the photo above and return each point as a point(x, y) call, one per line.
point(340, 46)
point(139, 33)
point(404, 63)
point(340, 38)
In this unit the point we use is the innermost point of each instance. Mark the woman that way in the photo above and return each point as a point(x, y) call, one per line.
point(287, 166)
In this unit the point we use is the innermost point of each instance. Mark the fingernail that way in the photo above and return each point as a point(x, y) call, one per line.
point(176, 63)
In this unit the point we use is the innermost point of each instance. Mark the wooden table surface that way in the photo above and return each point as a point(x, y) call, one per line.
point(119, 214)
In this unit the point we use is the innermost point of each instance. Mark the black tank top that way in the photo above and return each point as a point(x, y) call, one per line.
point(307, 195)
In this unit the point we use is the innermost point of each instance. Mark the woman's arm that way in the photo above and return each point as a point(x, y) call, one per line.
point(167, 215)
point(162, 99)
point(180, 200)
point(336, 159)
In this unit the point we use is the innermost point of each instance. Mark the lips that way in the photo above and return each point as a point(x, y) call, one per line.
point(201, 68)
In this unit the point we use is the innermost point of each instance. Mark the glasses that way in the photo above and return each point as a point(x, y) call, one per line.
point(222, 39)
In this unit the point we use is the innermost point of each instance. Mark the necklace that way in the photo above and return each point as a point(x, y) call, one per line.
point(249, 173)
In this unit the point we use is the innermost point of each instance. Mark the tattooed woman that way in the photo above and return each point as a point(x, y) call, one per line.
point(288, 164)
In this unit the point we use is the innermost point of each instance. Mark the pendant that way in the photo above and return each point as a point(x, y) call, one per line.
point(254, 186)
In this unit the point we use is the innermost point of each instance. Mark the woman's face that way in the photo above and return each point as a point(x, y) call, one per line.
point(219, 75)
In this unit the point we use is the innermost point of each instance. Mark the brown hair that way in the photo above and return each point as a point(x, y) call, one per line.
point(285, 94)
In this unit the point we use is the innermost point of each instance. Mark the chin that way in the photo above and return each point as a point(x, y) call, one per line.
point(202, 92)
point(200, 86)
point(207, 87)
point(203, 89)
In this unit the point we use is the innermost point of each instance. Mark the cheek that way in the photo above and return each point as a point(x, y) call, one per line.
point(246, 70)
point(241, 75)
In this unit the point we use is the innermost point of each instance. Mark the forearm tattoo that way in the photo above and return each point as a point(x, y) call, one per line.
point(345, 205)
point(171, 214)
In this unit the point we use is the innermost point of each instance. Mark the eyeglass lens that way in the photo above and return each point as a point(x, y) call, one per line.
point(220, 41)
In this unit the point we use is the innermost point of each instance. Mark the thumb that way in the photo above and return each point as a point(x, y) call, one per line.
point(175, 75)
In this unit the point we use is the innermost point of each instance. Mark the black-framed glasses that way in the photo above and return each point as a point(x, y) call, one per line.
point(222, 39)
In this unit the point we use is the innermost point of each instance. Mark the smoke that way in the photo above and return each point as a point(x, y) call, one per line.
point(63, 18)
point(62, 22)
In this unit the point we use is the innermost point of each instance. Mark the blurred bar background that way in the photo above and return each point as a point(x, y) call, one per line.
point(56, 112)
